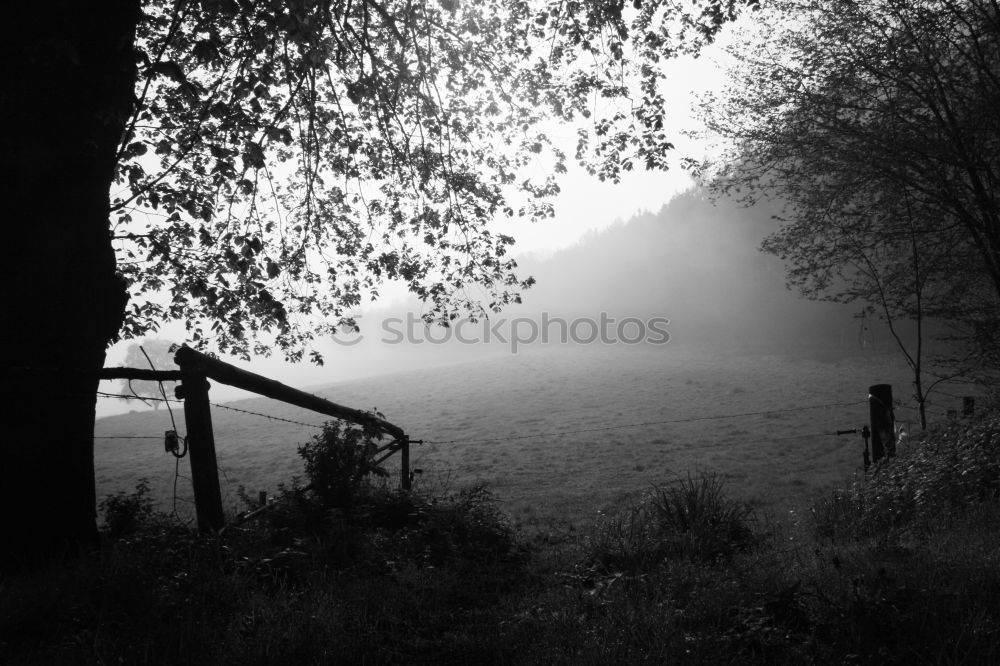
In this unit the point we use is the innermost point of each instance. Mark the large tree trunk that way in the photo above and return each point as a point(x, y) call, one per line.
point(67, 92)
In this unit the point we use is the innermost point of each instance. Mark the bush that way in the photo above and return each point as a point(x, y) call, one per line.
point(126, 513)
point(467, 525)
point(339, 463)
point(699, 521)
point(943, 472)
point(693, 519)
point(346, 515)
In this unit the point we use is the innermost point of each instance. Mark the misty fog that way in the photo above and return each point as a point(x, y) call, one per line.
point(695, 263)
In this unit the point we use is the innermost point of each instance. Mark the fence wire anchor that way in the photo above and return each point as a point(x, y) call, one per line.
point(866, 434)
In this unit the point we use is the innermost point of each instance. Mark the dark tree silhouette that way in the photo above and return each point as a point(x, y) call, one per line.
point(878, 127)
point(68, 90)
point(255, 168)
point(874, 102)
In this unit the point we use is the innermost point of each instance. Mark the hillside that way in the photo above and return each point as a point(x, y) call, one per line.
point(697, 263)
point(694, 262)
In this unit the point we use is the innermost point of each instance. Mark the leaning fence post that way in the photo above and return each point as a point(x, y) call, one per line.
point(201, 447)
point(404, 464)
point(882, 421)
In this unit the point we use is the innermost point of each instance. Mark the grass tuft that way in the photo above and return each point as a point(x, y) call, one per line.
point(692, 519)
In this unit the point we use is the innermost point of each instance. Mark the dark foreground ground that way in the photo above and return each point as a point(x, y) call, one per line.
point(901, 567)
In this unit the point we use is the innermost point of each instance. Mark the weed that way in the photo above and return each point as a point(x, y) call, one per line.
point(692, 519)
point(125, 513)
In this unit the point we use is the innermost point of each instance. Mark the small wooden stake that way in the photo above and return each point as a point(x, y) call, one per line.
point(201, 448)
point(404, 464)
point(882, 421)
point(866, 457)
point(968, 405)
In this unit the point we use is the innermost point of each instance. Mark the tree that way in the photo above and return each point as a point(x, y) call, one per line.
point(875, 251)
point(263, 164)
point(875, 122)
point(156, 355)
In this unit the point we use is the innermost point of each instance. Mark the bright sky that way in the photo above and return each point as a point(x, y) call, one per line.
point(587, 204)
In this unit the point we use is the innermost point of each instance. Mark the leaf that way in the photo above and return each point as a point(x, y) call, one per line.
point(253, 156)
point(205, 51)
point(169, 69)
point(219, 110)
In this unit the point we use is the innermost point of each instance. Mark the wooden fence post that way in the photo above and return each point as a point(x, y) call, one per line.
point(882, 421)
point(201, 448)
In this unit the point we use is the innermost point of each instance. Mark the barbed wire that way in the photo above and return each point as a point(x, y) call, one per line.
point(267, 416)
point(553, 433)
point(550, 433)
point(125, 396)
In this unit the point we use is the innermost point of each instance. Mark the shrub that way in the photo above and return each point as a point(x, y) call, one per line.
point(467, 525)
point(697, 519)
point(339, 462)
point(126, 513)
point(693, 519)
point(350, 517)
point(942, 472)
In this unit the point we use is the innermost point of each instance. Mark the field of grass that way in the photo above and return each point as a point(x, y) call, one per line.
point(778, 461)
point(899, 568)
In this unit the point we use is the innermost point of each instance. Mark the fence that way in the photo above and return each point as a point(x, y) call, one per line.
point(195, 371)
point(196, 368)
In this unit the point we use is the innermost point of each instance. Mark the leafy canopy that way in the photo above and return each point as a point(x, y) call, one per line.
point(287, 157)
point(876, 123)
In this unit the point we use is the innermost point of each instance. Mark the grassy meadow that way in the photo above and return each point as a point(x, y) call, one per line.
point(725, 541)
point(777, 461)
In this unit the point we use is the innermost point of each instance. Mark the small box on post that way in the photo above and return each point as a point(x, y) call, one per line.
point(201, 447)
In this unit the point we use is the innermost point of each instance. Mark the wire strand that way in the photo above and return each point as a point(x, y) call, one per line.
point(104, 394)
point(560, 433)
point(267, 416)
point(125, 396)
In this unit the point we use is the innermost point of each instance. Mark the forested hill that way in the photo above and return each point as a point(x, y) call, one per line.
point(696, 263)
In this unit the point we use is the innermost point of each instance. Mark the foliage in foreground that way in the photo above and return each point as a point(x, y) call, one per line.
point(941, 474)
point(682, 575)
